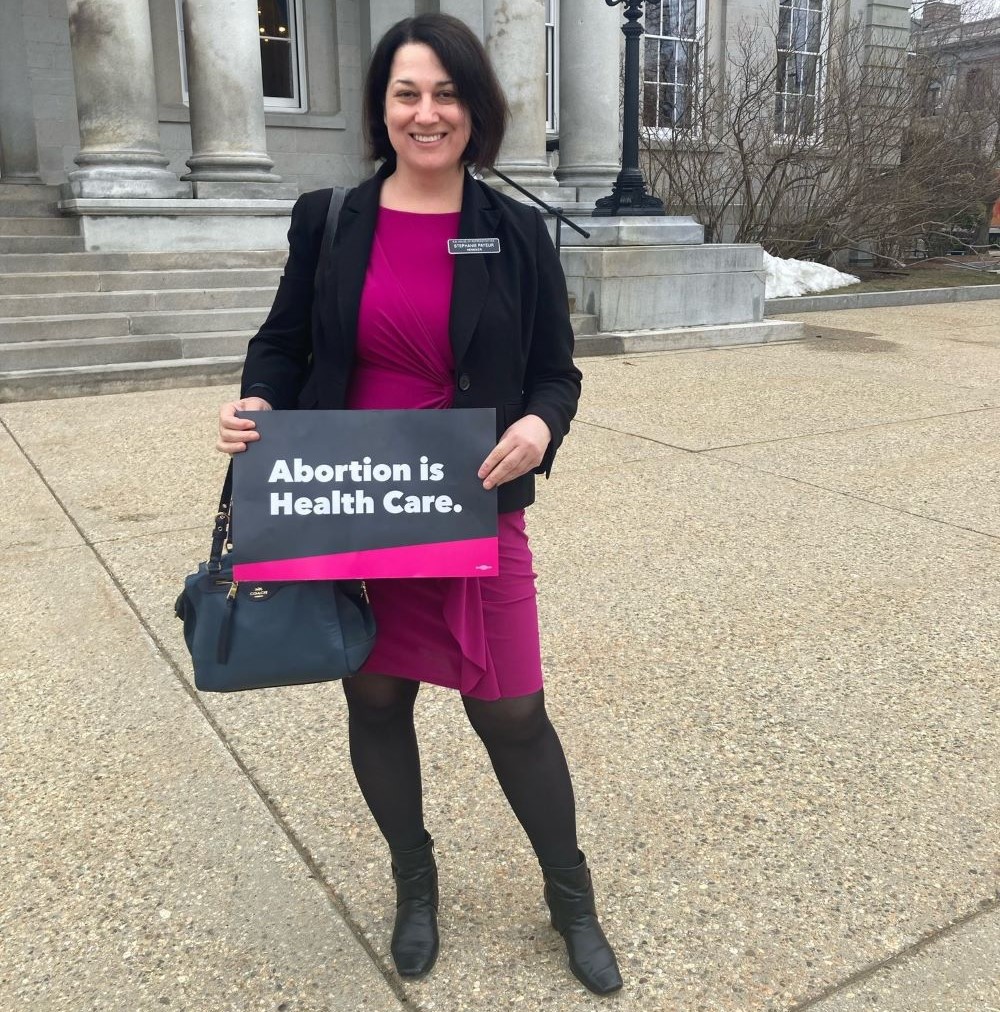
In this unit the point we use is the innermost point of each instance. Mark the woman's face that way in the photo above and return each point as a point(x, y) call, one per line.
point(428, 126)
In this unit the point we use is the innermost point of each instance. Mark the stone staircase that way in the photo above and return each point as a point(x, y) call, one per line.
point(74, 323)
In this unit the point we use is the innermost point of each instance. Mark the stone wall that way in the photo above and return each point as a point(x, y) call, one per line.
point(50, 76)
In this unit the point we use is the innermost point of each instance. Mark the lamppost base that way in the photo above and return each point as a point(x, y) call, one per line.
point(628, 196)
point(627, 205)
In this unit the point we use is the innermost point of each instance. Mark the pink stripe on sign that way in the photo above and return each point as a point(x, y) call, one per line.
point(478, 557)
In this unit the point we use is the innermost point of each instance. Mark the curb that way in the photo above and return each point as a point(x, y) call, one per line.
point(873, 300)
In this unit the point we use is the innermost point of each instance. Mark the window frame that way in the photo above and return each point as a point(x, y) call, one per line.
point(822, 51)
point(933, 98)
point(552, 68)
point(697, 43)
point(299, 103)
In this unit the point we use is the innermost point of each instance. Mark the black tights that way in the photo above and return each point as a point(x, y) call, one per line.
point(521, 742)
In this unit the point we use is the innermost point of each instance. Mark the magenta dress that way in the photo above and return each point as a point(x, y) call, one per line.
point(479, 636)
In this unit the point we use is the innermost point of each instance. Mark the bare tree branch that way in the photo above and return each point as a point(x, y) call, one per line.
point(891, 158)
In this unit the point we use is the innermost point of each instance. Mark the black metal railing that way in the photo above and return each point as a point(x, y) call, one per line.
point(556, 212)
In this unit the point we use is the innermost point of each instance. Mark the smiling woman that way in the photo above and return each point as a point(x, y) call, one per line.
point(440, 292)
point(427, 127)
point(468, 87)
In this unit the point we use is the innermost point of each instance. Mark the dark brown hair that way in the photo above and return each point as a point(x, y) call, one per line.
point(470, 70)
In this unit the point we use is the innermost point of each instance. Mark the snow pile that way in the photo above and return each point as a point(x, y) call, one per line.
point(801, 277)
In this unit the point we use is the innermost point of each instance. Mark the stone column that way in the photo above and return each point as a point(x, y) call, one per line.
point(590, 126)
point(228, 141)
point(120, 154)
point(515, 39)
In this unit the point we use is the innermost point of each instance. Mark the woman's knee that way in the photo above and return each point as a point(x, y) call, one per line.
point(380, 699)
point(519, 720)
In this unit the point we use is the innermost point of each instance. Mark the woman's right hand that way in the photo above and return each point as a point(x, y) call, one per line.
point(235, 433)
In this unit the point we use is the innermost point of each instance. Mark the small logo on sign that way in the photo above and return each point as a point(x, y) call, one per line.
point(483, 567)
point(459, 246)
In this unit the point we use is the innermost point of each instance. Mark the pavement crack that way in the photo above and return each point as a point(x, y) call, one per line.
point(926, 940)
point(849, 429)
point(635, 435)
point(305, 854)
point(859, 498)
point(704, 453)
point(791, 438)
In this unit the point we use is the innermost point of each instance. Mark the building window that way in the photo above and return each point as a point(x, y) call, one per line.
point(551, 66)
point(800, 36)
point(279, 24)
point(932, 99)
point(280, 58)
point(670, 50)
point(976, 88)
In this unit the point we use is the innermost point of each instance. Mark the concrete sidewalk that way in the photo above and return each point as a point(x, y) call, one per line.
point(769, 595)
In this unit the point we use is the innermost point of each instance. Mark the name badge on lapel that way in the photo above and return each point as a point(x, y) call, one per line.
point(459, 246)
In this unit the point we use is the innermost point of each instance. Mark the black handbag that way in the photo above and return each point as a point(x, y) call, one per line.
point(259, 635)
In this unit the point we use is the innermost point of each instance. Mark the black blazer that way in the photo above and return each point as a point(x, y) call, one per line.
point(510, 327)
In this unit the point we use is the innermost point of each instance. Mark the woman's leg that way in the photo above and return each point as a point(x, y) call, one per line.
point(385, 756)
point(531, 767)
point(387, 764)
point(530, 764)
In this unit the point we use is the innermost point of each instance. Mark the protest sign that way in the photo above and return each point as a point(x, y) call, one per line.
point(365, 495)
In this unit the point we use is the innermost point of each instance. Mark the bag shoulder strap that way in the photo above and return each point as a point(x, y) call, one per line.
point(223, 516)
point(337, 197)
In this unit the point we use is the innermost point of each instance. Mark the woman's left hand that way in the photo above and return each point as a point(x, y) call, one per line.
point(520, 450)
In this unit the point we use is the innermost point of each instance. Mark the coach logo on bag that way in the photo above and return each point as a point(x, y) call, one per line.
point(259, 594)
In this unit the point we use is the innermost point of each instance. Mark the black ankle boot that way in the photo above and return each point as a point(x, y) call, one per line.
point(415, 934)
point(570, 896)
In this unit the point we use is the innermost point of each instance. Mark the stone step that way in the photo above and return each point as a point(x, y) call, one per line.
point(38, 226)
point(82, 381)
point(62, 328)
point(28, 191)
point(28, 208)
point(215, 344)
point(15, 357)
point(147, 281)
point(78, 303)
point(110, 351)
point(633, 342)
point(28, 200)
point(197, 321)
point(23, 329)
point(583, 323)
point(43, 284)
point(58, 263)
point(40, 244)
point(255, 277)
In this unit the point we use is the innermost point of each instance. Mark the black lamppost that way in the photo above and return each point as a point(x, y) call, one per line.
point(629, 195)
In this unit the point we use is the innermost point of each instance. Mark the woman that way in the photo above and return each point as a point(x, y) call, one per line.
point(396, 321)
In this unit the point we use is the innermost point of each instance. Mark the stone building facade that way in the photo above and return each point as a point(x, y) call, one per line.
point(150, 152)
point(166, 99)
point(967, 53)
point(224, 99)
point(967, 59)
